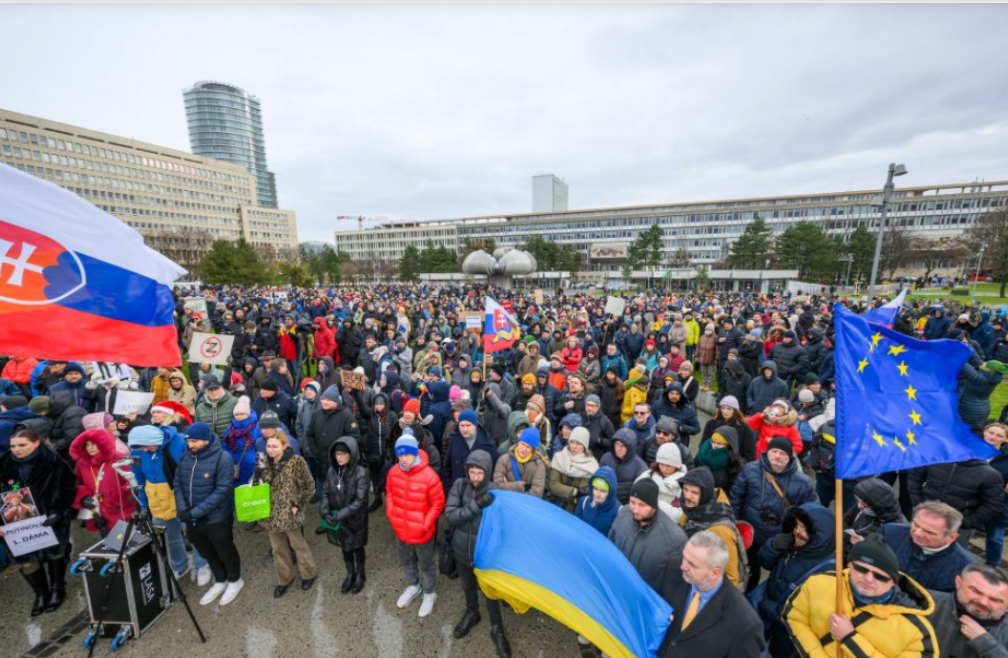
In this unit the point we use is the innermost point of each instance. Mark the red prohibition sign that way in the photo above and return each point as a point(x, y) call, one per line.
point(211, 347)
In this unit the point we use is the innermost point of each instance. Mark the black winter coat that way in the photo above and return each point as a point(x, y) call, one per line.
point(972, 486)
point(53, 487)
point(461, 511)
point(67, 421)
point(204, 484)
point(327, 426)
point(345, 497)
point(792, 360)
point(752, 496)
point(382, 432)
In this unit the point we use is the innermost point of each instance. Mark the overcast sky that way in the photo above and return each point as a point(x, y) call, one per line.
point(445, 110)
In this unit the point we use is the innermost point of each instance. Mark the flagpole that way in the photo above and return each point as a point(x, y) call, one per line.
point(838, 508)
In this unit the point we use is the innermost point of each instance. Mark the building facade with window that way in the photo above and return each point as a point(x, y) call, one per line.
point(178, 201)
point(705, 229)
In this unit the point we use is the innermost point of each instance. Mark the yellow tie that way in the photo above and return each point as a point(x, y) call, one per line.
point(691, 610)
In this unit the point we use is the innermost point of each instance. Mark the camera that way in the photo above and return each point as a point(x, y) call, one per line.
point(770, 517)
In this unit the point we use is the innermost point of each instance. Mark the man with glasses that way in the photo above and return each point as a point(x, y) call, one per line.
point(927, 548)
point(883, 614)
point(970, 622)
point(642, 424)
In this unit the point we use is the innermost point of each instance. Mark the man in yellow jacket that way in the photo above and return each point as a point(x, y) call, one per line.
point(884, 613)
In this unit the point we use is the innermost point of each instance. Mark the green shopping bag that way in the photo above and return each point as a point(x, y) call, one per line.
point(252, 502)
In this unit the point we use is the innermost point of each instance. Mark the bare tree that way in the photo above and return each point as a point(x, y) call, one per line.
point(895, 247)
point(991, 235)
point(934, 254)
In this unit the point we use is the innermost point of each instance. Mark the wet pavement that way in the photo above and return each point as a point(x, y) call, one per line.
point(315, 624)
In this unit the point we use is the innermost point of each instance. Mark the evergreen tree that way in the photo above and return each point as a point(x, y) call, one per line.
point(409, 265)
point(236, 262)
point(807, 248)
point(753, 248)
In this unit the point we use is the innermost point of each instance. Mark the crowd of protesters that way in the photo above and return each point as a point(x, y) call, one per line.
point(351, 401)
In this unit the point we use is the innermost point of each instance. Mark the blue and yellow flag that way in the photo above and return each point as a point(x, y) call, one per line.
point(500, 329)
point(896, 400)
point(593, 589)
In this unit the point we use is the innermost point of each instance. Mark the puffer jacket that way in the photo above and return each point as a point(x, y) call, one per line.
point(381, 433)
point(815, 349)
point(414, 501)
point(635, 390)
point(972, 486)
point(345, 495)
point(217, 415)
point(96, 478)
point(752, 494)
point(67, 421)
point(898, 627)
point(291, 485)
point(461, 511)
point(763, 392)
point(530, 478)
point(326, 427)
point(706, 350)
point(769, 428)
point(611, 395)
point(627, 469)
point(936, 571)
point(600, 516)
point(493, 413)
point(325, 338)
point(683, 412)
point(155, 490)
point(305, 411)
point(735, 382)
point(975, 389)
point(788, 566)
point(204, 484)
point(457, 455)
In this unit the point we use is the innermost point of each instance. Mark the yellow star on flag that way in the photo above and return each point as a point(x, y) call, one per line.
point(878, 437)
point(915, 417)
point(896, 350)
point(875, 339)
point(902, 368)
point(911, 437)
point(911, 392)
point(898, 444)
point(862, 364)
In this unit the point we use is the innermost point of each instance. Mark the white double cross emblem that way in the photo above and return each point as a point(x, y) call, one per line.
point(20, 264)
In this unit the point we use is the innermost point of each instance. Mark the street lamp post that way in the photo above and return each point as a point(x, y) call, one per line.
point(976, 276)
point(894, 170)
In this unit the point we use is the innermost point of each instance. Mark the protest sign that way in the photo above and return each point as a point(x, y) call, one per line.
point(214, 349)
point(131, 402)
point(352, 380)
point(473, 320)
point(197, 304)
point(537, 295)
point(614, 306)
point(27, 536)
point(17, 505)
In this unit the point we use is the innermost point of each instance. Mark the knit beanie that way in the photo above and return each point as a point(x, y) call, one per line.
point(528, 378)
point(530, 436)
point(332, 394)
point(538, 402)
point(15, 401)
point(729, 401)
point(600, 484)
point(499, 369)
point(467, 416)
point(269, 419)
point(593, 399)
point(454, 393)
point(872, 550)
point(244, 406)
point(646, 491)
point(96, 421)
point(580, 435)
point(669, 454)
point(413, 406)
point(806, 396)
point(39, 404)
point(407, 445)
point(145, 435)
point(780, 443)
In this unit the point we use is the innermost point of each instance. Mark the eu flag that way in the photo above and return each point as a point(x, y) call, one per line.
point(896, 402)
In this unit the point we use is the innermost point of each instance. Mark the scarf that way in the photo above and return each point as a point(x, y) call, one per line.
point(576, 466)
point(239, 437)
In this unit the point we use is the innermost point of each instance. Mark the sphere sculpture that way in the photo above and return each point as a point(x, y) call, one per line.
point(505, 261)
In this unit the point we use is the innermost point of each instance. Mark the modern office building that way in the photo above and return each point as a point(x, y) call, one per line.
point(704, 229)
point(549, 194)
point(178, 201)
point(225, 123)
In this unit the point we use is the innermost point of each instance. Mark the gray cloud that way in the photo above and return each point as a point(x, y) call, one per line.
point(442, 111)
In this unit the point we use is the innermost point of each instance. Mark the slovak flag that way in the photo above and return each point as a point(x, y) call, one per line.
point(77, 283)
point(886, 314)
point(500, 329)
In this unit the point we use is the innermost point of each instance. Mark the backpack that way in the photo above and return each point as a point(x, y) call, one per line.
point(821, 455)
point(740, 545)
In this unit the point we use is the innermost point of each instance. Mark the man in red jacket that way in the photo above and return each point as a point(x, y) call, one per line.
point(414, 501)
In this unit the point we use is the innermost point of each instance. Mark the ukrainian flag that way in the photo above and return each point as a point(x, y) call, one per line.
point(535, 555)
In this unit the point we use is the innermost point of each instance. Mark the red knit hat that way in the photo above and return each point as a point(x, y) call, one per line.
point(413, 405)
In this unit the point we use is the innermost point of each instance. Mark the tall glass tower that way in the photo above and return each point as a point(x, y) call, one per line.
point(225, 123)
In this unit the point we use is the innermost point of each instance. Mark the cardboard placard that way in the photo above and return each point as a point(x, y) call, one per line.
point(23, 529)
point(197, 304)
point(214, 349)
point(614, 306)
point(353, 380)
point(17, 505)
point(537, 295)
point(132, 402)
point(473, 320)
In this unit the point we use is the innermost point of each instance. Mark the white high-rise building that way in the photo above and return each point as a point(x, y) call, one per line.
point(549, 193)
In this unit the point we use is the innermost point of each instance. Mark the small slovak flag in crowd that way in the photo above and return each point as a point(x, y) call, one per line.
point(886, 314)
point(77, 283)
point(500, 329)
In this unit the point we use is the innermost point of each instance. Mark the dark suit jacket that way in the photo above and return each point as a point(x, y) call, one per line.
point(727, 627)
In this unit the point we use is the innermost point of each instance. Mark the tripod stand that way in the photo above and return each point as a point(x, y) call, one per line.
point(142, 521)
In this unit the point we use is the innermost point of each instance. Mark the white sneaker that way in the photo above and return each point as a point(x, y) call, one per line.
point(212, 593)
point(180, 575)
point(427, 604)
point(231, 593)
point(203, 576)
point(407, 597)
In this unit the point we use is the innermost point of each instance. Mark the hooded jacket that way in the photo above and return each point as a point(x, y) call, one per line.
point(724, 463)
point(457, 455)
point(218, 414)
point(736, 382)
point(601, 516)
point(627, 469)
point(752, 494)
point(345, 497)
point(325, 338)
point(461, 511)
point(96, 478)
point(882, 507)
point(414, 501)
point(762, 392)
point(381, 432)
point(204, 484)
point(326, 427)
point(155, 490)
point(713, 513)
point(682, 411)
point(494, 412)
point(67, 421)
